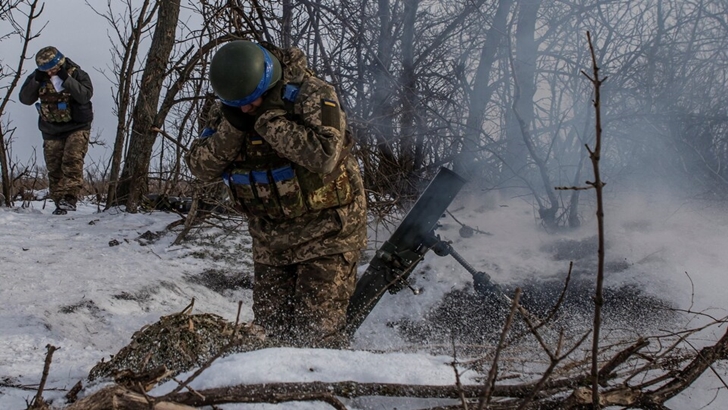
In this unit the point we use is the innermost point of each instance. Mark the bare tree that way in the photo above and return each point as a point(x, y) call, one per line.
point(481, 92)
point(22, 28)
point(133, 183)
point(128, 28)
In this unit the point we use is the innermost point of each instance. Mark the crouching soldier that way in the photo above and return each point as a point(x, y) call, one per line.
point(277, 138)
point(61, 92)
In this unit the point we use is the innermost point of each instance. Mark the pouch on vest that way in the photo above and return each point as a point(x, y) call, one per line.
point(266, 194)
point(55, 110)
point(289, 191)
point(239, 181)
point(322, 194)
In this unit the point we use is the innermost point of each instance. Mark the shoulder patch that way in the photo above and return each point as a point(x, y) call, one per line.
point(330, 114)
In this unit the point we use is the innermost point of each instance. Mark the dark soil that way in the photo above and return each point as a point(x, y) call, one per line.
point(469, 318)
point(221, 280)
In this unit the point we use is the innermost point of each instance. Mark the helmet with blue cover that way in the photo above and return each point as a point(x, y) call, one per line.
point(242, 71)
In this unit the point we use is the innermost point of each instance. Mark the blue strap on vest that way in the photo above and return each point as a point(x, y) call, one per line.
point(260, 177)
point(283, 174)
point(290, 92)
point(206, 132)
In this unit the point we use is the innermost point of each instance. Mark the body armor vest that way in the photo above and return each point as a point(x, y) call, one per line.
point(270, 186)
point(54, 106)
point(273, 187)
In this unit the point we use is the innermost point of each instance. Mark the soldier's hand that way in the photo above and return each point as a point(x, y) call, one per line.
point(62, 73)
point(272, 100)
point(41, 76)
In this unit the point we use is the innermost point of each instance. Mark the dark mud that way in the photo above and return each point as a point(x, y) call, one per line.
point(469, 318)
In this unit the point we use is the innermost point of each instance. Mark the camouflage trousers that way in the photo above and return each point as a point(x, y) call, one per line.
point(64, 161)
point(304, 304)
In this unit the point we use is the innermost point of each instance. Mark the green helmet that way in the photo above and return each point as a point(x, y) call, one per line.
point(241, 71)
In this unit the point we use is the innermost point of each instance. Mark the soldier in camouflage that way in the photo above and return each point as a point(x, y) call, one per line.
point(61, 92)
point(277, 138)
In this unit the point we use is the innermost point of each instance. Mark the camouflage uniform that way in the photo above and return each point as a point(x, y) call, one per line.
point(64, 119)
point(305, 246)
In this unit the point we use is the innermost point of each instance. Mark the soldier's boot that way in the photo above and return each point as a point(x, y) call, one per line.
point(67, 204)
point(59, 211)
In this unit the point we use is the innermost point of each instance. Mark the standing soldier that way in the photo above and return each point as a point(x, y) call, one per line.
point(278, 140)
point(61, 92)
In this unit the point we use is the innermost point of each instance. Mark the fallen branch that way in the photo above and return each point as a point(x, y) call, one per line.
point(38, 402)
point(118, 397)
point(702, 361)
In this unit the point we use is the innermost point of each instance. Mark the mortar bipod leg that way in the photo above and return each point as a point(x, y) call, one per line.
point(482, 282)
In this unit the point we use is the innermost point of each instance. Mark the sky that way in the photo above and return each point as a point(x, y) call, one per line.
point(60, 282)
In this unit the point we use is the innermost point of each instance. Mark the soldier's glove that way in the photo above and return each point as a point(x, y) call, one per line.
point(272, 100)
point(62, 73)
point(41, 76)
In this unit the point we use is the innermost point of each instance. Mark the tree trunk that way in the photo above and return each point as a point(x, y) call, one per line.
point(382, 88)
point(516, 154)
point(410, 158)
point(4, 171)
point(26, 37)
point(481, 92)
point(134, 179)
point(521, 142)
point(123, 99)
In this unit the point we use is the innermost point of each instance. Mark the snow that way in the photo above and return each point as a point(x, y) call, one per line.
point(63, 283)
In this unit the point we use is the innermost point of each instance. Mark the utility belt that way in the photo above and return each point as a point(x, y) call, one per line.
point(288, 191)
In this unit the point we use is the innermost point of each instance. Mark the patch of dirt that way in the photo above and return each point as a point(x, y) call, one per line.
point(572, 250)
point(89, 305)
point(144, 294)
point(468, 318)
point(9, 381)
point(149, 237)
point(220, 280)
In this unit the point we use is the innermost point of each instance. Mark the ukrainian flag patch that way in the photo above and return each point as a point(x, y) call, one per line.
point(330, 115)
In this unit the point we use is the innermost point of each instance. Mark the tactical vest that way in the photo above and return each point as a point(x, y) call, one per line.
point(54, 106)
point(270, 186)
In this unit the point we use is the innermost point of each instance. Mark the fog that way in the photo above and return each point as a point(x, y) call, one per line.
point(424, 85)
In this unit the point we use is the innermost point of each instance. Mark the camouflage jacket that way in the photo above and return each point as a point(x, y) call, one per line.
point(79, 86)
point(303, 140)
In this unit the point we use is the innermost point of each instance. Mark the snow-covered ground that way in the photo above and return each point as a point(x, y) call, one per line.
point(86, 281)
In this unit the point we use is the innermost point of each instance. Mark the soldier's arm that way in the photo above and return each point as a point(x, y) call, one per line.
point(317, 142)
point(213, 152)
point(79, 85)
point(29, 90)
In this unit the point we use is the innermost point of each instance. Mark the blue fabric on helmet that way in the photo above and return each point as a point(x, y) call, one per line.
point(54, 62)
point(262, 85)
